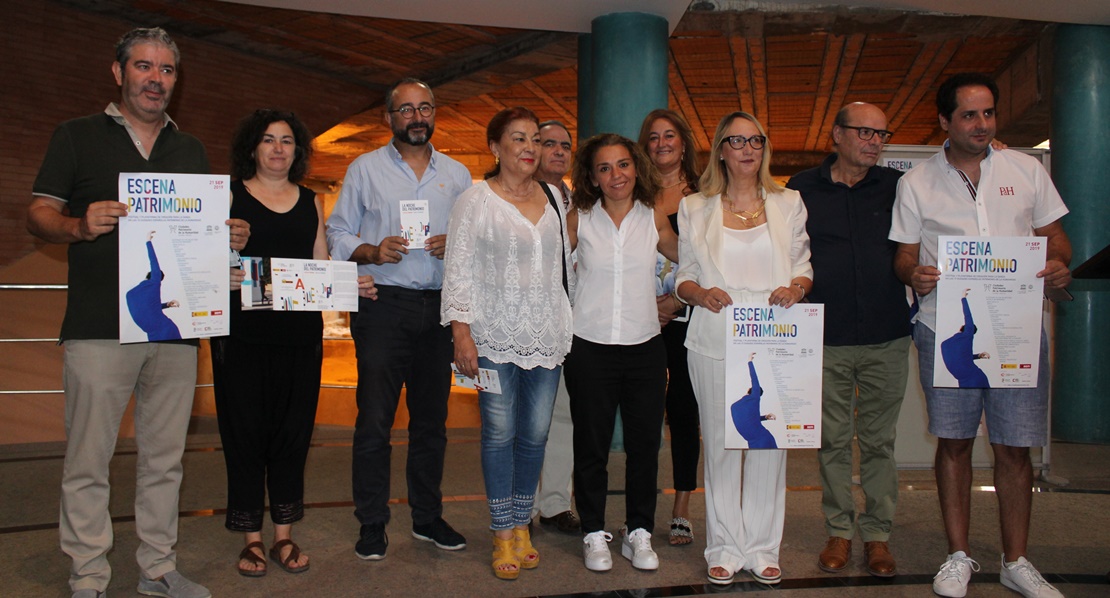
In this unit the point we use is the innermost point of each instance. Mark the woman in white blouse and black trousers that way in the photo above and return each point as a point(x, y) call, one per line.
point(505, 295)
point(618, 358)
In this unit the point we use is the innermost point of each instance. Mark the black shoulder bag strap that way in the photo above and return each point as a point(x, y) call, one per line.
point(559, 215)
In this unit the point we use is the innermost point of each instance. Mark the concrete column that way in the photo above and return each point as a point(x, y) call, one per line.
point(629, 59)
point(1080, 146)
point(585, 87)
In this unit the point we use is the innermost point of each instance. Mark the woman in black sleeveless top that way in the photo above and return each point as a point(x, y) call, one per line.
point(667, 139)
point(267, 371)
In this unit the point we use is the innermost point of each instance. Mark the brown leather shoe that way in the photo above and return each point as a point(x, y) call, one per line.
point(835, 556)
point(880, 562)
point(565, 522)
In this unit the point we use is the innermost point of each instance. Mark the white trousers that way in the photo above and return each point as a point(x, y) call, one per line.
point(745, 490)
point(553, 496)
point(99, 378)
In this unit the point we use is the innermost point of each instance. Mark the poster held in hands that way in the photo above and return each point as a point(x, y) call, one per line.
point(290, 284)
point(415, 222)
point(173, 248)
point(989, 302)
point(773, 376)
point(486, 381)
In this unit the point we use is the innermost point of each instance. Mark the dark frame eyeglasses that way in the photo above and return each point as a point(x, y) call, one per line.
point(737, 142)
point(866, 133)
point(408, 111)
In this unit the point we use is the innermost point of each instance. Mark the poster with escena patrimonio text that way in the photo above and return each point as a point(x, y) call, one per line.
point(173, 256)
point(773, 376)
point(989, 302)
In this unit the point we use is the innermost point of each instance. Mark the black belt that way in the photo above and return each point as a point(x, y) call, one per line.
point(407, 292)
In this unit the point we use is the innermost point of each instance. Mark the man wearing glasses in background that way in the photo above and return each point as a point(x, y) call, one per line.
point(554, 492)
point(867, 326)
point(398, 338)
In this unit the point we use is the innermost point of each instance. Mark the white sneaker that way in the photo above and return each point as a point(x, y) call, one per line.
point(636, 547)
point(596, 551)
point(954, 575)
point(1023, 578)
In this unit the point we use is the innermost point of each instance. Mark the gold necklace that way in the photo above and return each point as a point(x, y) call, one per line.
point(681, 180)
point(525, 195)
point(746, 218)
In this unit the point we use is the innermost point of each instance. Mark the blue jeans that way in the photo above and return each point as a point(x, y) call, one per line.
point(514, 434)
point(1015, 416)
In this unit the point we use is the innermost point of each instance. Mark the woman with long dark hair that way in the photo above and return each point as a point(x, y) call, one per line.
point(669, 142)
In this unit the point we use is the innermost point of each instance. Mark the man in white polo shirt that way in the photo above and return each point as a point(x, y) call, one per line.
point(970, 189)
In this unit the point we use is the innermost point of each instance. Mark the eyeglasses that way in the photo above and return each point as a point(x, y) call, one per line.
point(737, 142)
point(866, 133)
point(408, 111)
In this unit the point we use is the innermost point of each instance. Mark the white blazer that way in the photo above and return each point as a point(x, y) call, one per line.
point(701, 220)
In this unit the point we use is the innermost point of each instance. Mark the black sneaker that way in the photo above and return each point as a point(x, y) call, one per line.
point(441, 533)
point(372, 542)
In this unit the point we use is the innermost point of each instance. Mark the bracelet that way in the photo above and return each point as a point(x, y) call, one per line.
point(799, 285)
point(677, 298)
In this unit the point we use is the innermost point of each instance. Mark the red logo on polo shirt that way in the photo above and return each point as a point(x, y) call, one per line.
point(1005, 191)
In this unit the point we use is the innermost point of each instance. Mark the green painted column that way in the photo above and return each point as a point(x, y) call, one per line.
point(585, 87)
point(629, 59)
point(626, 62)
point(1080, 149)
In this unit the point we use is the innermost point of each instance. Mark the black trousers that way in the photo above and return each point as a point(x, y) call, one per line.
point(399, 340)
point(682, 409)
point(266, 397)
point(601, 378)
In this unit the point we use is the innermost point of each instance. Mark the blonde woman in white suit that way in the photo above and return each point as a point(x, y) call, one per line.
point(743, 240)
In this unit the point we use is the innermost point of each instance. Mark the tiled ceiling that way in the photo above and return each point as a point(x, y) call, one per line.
point(793, 70)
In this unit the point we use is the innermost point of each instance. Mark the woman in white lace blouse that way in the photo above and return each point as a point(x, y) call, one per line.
point(505, 295)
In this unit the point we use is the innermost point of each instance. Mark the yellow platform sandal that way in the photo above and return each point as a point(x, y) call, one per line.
point(522, 546)
point(506, 565)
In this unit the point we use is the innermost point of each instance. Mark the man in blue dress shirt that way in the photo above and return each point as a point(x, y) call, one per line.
point(398, 338)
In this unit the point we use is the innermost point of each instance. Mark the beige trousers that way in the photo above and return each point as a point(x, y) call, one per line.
point(99, 377)
point(553, 496)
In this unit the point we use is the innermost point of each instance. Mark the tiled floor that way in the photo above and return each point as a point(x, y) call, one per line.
point(1068, 543)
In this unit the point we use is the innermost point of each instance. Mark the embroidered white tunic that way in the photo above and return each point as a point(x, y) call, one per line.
point(503, 277)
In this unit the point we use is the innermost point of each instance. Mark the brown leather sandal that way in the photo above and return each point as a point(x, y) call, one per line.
point(252, 557)
point(294, 556)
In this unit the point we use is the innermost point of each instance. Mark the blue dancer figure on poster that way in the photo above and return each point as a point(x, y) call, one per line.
point(747, 418)
point(958, 354)
point(144, 301)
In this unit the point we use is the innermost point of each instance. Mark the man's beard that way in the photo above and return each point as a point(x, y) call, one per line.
point(415, 138)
